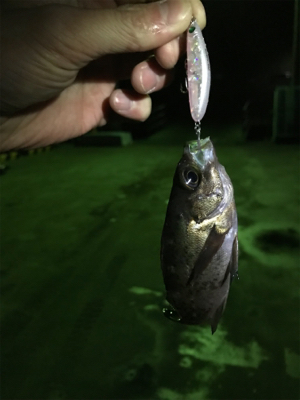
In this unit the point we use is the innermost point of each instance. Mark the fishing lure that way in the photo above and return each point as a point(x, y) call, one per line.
point(198, 74)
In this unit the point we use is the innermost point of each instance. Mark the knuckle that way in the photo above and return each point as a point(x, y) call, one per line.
point(140, 27)
point(133, 28)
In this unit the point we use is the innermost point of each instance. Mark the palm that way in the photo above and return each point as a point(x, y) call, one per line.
point(79, 108)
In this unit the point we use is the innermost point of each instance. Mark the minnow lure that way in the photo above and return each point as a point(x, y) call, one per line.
point(198, 74)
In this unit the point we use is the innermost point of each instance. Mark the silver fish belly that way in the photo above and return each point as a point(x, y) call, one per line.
point(199, 245)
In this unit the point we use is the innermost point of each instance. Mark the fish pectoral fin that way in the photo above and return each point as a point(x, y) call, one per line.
point(232, 267)
point(234, 260)
point(212, 244)
point(217, 316)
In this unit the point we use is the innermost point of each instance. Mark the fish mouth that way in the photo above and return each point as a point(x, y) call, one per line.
point(194, 145)
point(201, 152)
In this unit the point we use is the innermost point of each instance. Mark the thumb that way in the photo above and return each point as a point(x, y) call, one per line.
point(88, 34)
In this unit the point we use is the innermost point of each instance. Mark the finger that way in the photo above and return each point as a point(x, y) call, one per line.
point(112, 68)
point(130, 104)
point(123, 2)
point(83, 34)
point(149, 76)
point(75, 3)
point(168, 54)
point(199, 13)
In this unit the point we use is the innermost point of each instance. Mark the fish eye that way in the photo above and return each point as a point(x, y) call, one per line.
point(171, 314)
point(191, 178)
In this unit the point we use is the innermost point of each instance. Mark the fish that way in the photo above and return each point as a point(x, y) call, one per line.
point(199, 243)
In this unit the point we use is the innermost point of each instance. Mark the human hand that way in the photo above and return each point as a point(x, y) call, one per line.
point(60, 64)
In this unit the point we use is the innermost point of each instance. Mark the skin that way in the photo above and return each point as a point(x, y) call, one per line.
point(61, 63)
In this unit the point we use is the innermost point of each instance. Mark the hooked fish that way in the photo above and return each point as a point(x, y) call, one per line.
point(199, 245)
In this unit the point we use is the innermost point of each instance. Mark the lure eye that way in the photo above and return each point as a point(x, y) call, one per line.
point(191, 178)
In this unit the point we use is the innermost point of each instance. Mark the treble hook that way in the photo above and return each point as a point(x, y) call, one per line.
point(184, 85)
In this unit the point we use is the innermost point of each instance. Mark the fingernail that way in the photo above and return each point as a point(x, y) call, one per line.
point(174, 11)
point(148, 79)
point(122, 102)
